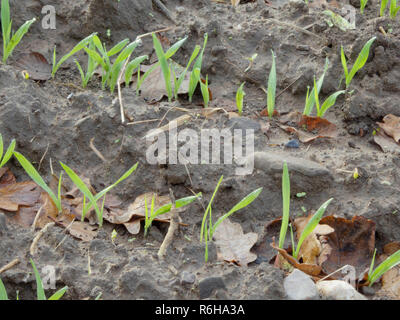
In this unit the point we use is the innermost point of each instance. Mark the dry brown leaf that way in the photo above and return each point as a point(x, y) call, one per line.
point(6, 177)
point(352, 243)
point(19, 194)
point(35, 64)
point(391, 126)
point(83, 231)
point(386, 143)
point(312, 246)
point(233, 245)
point(320, 125)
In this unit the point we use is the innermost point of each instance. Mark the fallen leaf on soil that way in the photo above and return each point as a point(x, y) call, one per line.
point(78, 229)
point(18, 194)
point(352, 243)
point(35, 64)
point(391, 126)
point(6, 177)
point(264, 113)
point(312, 246)
point(386, 143)
point(319, 125)
point(233, 245)
point(304, 137)
point(153, 87)
point(311, 269)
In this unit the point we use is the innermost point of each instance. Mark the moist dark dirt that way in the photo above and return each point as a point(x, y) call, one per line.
point(56, 120)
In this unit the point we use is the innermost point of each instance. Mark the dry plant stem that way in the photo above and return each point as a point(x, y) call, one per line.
point(292, 26)
point(10, 265)
point(96, 151)
point(33, 248)
point(280, 93)
point(44, 155)
point(164, 10)
point(142, 121)
point(38, 216)
point(66, 236)
point(173, 226)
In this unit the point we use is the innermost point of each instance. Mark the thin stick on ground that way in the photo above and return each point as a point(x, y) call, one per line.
point(10, 265)
point(38, 214)
point(33, 248)
point(164, 10)
point(173, 226)
point(96, 151)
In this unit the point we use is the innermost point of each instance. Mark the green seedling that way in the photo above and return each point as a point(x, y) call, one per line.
point(194, 79)
point(3, 291)
point(204, 88)
point(178, 82)
point(170, 52)
point(389, 263)
point(164, 65)
point(208, 228)
point(383, 7)
point(251, 61)
point(91, 67)
point(363, 3)
point(286, 204)
point(80, 46)
point(35, 176)
point(393, 9)
point(150, 216)
point(132, 66)
point(239, 98)
point(9, 152)
point(93, 199)
point(271, 92)
point(311, 225)
point(360, 62)
point(310, 97)
point(11, 40)
point(329, 102)
point(114, 235)
point(40, 290)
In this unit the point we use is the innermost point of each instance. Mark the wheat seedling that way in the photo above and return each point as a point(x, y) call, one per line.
point(9, 152)
point(194, 79)
point(271, 88)
point(239, 98)
point(329, 102)
point(10, 42)
point(385, 266)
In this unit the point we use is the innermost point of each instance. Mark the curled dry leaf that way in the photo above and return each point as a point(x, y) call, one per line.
point(391, 126)
point(35, 64)
point(352, 243)
point(233, 245)
point(320, 125)
point(386, 143)
point(6, 177)
point(78, 229)
point(312, 246)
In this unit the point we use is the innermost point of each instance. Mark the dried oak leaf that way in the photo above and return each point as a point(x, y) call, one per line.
point(352, 243)
point(320, 125)
point(391, 126)
point(78, 229)
point(6, 177)
point(233, 245)
point(386, 143)
point(312, 247)
point(35, 64)
point(18, 194)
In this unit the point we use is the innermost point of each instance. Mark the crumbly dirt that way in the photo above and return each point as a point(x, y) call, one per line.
point(57, 119)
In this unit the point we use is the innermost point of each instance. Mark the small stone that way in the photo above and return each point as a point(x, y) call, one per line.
point(338, 290)
point(208, 285)
point(293, 144)
point(299, 286)
point(368, 291)
point(187, 278)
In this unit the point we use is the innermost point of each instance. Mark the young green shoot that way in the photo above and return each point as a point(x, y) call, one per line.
point(91, 67)
point(3, 292)
point(310, 96)
point(40, 290)
point(178, 83)
point(81, 45)
point(208, 228)
point(194, 79)
point(170, 52)
point(311, 225)
point(150, 216)
point(204, 89)
point(271, 92)
point(389, 263)
point(393, 9)
point(35, 176)
point(360, 62)
point(9, 152)
point(286, 204)
point(383, 7)
point(329, 102)
point(164, 65)
point(363, 3)
point(239, 98)
point(10, 39)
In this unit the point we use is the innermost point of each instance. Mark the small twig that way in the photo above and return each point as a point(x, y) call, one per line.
point(41, 160)
point(164, 10)
point(173, 226)
point(65, 237)
point(33, 248)
point(96, 151)
point(142, 121)
point(293, 26)
point(280, 93)
point(9, 265)
point(38, 215)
